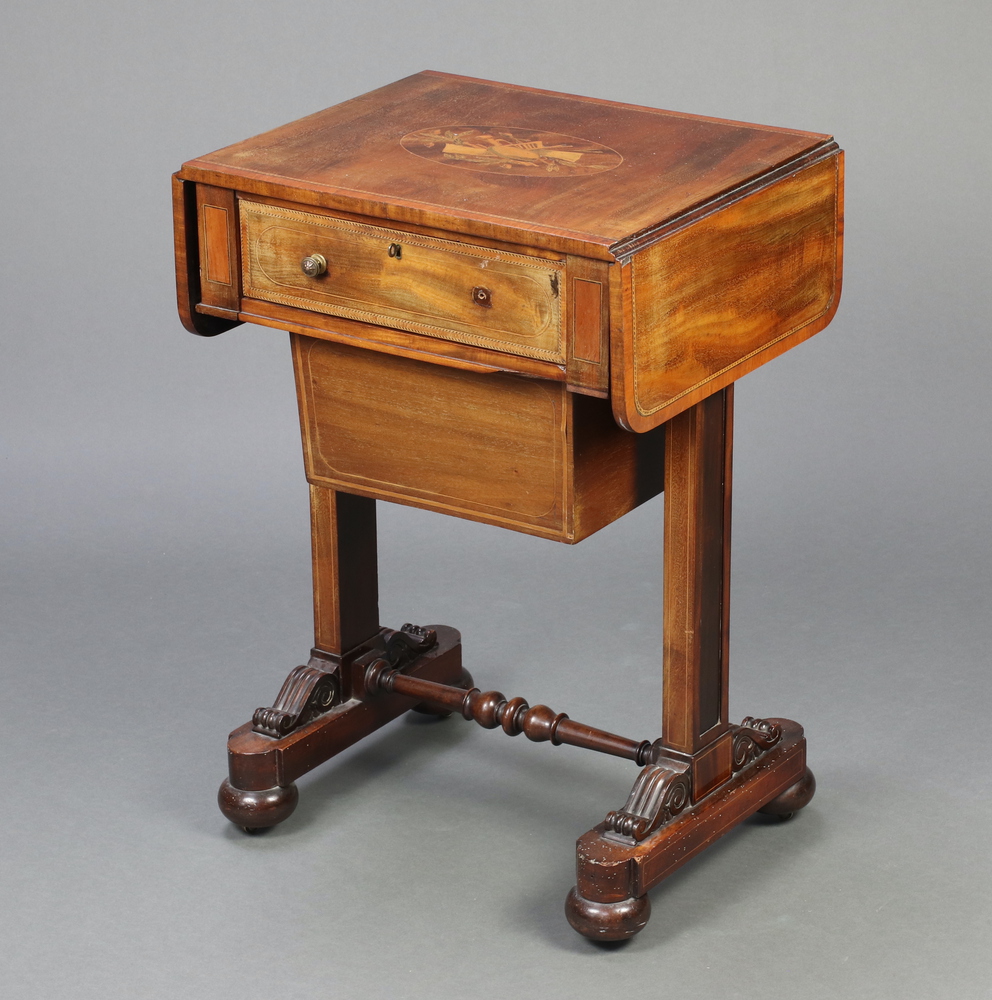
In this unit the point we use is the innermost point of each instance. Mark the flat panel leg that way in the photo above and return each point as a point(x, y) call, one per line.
point(698, 450)
point(259, 791)
point(345, 570)
point(708, 775)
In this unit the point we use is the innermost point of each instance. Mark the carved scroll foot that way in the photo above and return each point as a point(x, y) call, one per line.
point(258, 810)
point(263, 767)
point(607, 921)
point(786, 805)
point(311, 689)
point(661, 792)
point(753, 738)
point(314, 688)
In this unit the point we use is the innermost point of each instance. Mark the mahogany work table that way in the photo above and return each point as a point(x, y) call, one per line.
point(528, 309)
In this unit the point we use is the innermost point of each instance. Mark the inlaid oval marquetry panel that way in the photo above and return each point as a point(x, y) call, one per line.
point(495, 149)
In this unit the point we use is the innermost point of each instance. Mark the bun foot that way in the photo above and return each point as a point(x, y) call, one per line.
point(465, 681)
point(257, 810)
point(792, 799)
point(607, 921)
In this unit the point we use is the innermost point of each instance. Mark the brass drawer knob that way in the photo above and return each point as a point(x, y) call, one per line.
point(314, 265)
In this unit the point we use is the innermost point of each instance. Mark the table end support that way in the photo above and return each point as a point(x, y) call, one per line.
point(617, 863)
point(263, 763)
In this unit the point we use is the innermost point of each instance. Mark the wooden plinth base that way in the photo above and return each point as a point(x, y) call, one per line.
point(614, 869)
point(609, 901)
point(259, 791)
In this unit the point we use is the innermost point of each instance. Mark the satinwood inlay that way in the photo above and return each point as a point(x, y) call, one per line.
point(522, 152)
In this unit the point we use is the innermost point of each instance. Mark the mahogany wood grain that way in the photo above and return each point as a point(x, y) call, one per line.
point(712, 764)
point(710, 246)
point(588, 324)
point(496, 448)
point(535, 309)
point(719, 297)
point(415, 229)
point(221, 312)
point(697, 574)
point(257, 809)
point(345, 569)
point(492, 710)
point(257, 762)
point(797, 796)
point(399, 342)
point(220, 259)
point(607, 922)
point(187, 251)
point(353, 156)
point(403, 280)
point(479, 231)
point(587, 320)
point(611, 872)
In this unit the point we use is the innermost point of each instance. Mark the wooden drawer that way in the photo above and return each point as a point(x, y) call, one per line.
point(634, 253)
point(516, 452)
point(441, 288)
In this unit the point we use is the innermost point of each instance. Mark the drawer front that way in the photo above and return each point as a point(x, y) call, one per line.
point(459, 292)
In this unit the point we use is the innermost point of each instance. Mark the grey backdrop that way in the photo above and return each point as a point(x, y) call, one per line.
point(156, 556)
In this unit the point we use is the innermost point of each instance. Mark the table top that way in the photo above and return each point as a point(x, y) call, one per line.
point(462, 150)
point(645, 255)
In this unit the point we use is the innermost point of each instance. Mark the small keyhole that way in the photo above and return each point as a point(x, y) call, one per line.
point(395, 250)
